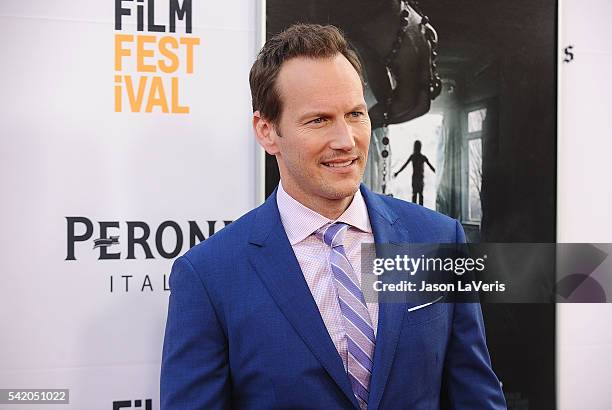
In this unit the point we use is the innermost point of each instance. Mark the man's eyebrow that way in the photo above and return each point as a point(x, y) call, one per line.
point(313, 114)
point(359, 107)
point(321, 113)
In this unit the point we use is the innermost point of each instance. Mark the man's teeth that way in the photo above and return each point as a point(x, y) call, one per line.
point(338, 164)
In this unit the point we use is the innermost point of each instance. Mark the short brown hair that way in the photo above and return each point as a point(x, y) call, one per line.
point(299, 40)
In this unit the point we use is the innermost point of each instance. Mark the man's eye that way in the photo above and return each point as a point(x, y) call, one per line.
point(318, 120)
point(356, 114)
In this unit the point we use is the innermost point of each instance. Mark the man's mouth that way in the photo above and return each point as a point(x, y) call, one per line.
point(340, 163)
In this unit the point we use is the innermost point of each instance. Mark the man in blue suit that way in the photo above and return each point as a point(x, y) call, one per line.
point(268, 313)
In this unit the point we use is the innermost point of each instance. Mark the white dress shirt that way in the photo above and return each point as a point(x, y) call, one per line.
point(301, 223)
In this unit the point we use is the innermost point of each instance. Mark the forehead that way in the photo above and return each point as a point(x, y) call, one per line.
point(319, 83)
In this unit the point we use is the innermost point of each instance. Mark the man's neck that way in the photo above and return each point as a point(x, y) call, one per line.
point(329, 208)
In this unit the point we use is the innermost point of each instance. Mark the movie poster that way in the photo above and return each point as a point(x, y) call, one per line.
point(462, 98)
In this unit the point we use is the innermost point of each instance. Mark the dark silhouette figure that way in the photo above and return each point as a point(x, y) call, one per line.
point(418, 168)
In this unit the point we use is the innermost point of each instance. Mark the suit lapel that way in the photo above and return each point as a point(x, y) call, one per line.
point(274, 260)
point(386, 229)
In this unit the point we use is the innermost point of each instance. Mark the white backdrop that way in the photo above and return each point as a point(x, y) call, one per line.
point(584, 331)
point(66, 152)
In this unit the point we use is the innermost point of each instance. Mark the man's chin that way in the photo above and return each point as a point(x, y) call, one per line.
point(342, 190)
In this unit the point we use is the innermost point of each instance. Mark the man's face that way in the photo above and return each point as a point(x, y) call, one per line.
point(324, 129)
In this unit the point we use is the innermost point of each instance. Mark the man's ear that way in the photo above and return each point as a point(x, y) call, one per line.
point(265, 133)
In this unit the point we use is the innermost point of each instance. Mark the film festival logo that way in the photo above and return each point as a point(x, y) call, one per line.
point(133, 240)
point(148, 67)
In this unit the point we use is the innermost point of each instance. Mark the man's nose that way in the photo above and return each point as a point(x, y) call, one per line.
point(343, 136)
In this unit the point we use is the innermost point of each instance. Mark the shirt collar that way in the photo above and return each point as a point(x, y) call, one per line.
point(300, 221)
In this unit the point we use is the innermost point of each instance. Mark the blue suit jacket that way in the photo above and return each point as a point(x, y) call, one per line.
point(243, 329)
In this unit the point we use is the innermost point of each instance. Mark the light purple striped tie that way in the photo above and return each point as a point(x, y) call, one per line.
point(357, 322)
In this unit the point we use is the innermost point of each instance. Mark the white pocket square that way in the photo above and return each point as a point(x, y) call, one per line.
point(412, 309)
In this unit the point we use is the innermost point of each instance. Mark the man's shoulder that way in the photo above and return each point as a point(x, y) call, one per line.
point(224, 244)
point(405, 209)
point(423, 224)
